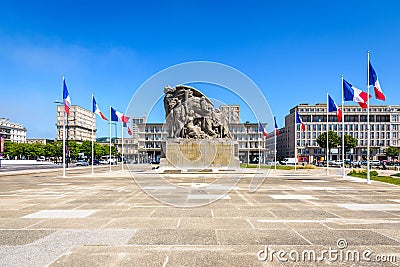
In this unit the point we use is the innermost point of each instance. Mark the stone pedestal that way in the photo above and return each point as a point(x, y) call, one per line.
point(200, 155)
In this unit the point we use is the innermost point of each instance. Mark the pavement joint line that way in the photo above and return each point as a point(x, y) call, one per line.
point(29, 226)
point(377, 231)
point(294, 230)
point(107, 223)
point(166, 261)
point(245, 199)
point(251, 224)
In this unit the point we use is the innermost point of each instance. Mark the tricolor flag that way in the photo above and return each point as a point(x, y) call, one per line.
point(333, 107)
point(351, 93)
point(96, 109)
point(299, 120)
point(373, 80)
point(262, 130)
point(66, 98)
point(129, 129)
point(118, 116)
point(276, 127)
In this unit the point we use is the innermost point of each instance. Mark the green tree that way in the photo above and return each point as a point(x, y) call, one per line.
point(333, 140)
point(73, 149)
point(86, 148)
point(392, 152)
point(349, 142)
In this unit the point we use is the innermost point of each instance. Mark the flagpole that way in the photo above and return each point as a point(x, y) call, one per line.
point(110, 139)
point(275, 146)
point(295, 141)
point(93, 118)
point(327, 135)
point(343, 148)
point(63, 156)
point(122, 146)
point(368, 128)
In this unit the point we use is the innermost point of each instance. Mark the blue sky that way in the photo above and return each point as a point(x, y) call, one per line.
point(293, 50)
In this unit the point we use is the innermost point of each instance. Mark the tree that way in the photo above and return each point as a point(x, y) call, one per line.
point(349, 142)
point(333, 140)
point(392, 152)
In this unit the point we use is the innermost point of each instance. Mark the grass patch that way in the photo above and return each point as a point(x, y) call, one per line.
point(374, 176)
point(396, 175)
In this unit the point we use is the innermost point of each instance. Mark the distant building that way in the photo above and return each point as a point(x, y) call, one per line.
point(43, 141)
point(232, 112)
point(12, 131)
point(384, 130)
point(78, 126)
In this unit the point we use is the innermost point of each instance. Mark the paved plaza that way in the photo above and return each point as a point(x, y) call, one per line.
point(108, 219)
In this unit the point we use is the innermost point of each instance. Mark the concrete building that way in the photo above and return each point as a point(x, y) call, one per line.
point(78, 125)
point(12, 131)
point(43, 141)
point(384, 123)
point(232, 112)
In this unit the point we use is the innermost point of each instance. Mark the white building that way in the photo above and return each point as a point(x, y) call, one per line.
point(12, 131)
point(384, 131)
point(78, 126)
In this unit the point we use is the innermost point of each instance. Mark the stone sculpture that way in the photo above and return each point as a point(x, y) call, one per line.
point(190, 114)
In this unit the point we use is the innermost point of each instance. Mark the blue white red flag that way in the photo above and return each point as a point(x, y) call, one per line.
point(373, 80)
point(66, 98)
point(300, 121)
point(351, 93)
point(276, 127)
point(262, 130)
point(118, 116)
point(332, 107)
point(96, 109)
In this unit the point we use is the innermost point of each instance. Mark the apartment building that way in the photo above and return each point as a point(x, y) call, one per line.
point(78, 125)
point(12, 131)
point(384, 131)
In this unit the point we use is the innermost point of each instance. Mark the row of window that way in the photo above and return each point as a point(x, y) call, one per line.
point(350, 110)
point(360, 143)
point(348, 118)
point(361, 135)
point(351, 127)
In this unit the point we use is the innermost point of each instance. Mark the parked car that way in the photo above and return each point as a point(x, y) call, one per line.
point(95, 162)
point(375, 162)
point(289, 161)
point(82, 162)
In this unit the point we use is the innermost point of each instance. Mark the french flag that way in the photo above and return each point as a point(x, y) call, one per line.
point(351, 93)
point(333, 107)
point(373, 80)
point(262, 130)
point(299, 120)
point(97, 110)
point(118, 116)
point(276, 127)
point(129, 129)
point(66, 98)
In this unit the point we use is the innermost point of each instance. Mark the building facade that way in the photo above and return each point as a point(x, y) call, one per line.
point(232, 112)
point(12, 131)
point(384, 131)
point(42, 141)
point(78, 125)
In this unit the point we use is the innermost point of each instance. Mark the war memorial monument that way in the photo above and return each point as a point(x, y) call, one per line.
point(198, 134)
